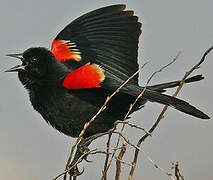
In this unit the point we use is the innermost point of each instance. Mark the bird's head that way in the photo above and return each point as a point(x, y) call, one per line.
point(34, 61)
point(35, 64)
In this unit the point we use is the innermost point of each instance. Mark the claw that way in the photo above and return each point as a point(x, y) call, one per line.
point(82, 148)
point(75, 172)
point(80, 173)
point(85, 158)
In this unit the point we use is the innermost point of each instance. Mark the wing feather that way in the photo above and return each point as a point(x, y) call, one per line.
point(107, 36)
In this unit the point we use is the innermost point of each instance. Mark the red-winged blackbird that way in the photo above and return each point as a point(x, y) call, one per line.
point(89, 59)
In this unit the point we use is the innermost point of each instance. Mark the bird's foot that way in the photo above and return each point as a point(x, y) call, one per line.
point(82, 153)
point(74, 172)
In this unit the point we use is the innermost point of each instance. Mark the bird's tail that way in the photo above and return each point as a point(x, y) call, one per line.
point(176, 103)
point(163, 86)
point(154, 94)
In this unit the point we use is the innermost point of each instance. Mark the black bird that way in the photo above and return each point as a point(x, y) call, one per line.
point(89, 59)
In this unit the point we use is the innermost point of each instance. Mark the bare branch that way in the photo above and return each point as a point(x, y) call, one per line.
point(126, 141)
point(152, 129)
point(132, 125)
point(164, 67)
point(157, 166)
point(123, 162)
point(86, 125)
point(118, 162)
point(107, 156)
point(115, 149)
point(177, 171)
point(130, 108)
point(79, 160)
point(164, 110)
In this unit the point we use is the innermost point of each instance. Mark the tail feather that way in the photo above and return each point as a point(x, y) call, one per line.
point(176, 103)
point(163, 86)
point(155, 95)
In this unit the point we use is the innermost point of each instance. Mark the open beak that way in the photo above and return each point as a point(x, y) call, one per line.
point(19, 56)
point(18, 67)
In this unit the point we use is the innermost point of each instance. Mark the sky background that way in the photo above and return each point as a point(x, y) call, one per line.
point(30, 149)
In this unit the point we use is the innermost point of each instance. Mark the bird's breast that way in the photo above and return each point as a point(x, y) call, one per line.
point(63, 110)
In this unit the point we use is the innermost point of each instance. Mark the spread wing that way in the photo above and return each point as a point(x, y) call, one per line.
point(107, 37)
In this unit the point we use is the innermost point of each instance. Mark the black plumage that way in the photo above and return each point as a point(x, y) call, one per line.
point(107, 38)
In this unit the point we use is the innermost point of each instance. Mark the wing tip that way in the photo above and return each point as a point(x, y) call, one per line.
point(120, 6)
point(114, 7)
point(204, 116)
point(196, 113)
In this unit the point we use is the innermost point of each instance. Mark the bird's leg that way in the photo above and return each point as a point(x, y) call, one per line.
point(83, 145)
point(75, 171)
point(89, 139)
point(82, 150)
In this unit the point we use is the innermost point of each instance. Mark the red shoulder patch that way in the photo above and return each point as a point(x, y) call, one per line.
point(87, 76)
point(65, 50)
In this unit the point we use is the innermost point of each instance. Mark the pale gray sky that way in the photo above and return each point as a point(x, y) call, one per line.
point(30, 149)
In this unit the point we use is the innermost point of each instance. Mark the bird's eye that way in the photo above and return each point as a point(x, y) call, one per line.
point(34, 60)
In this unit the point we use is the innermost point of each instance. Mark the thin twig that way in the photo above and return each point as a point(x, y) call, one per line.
point(115, 92)
point(118, 162)
point(132, 105)
point(107, 156)
point(126, 140)
point(164, 110)
point(178, 175)
point(86, 125)
point(79, 160)
point(154, 126)
point(192, 69)
point(157, 166)
point(123, 162)
point(132, 125)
